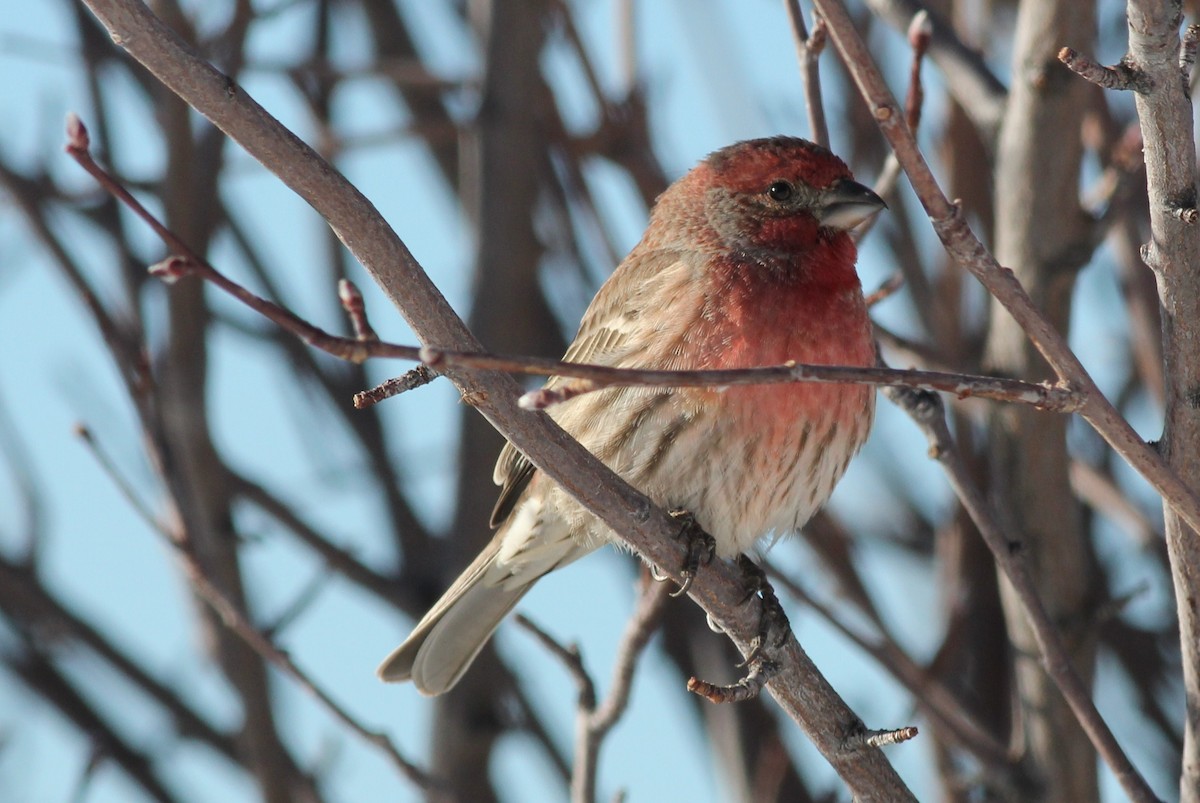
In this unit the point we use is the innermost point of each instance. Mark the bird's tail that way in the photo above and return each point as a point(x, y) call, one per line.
point(447, 639)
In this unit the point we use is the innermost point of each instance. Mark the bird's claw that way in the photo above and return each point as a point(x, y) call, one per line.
point(773, 620)
point(700, 548)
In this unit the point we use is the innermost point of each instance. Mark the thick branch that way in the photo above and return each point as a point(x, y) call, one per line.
point(1166, 115)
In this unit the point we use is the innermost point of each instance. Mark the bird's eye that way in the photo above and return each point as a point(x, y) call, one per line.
point(781, 191)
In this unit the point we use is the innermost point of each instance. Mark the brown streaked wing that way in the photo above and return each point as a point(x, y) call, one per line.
point(603, 339)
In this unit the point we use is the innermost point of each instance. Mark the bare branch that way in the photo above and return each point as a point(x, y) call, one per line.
point(1123, 76)
point(1187, 55)
point(411, 380)
point(878, 738)
point(967, 75)
point(746, 688)
point(1168, 135)
point(808, 49)
point(929, 693)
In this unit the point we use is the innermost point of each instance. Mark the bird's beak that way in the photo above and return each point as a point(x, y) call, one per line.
point(846, 204)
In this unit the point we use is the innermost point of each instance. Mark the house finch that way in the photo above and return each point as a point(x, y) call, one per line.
point(746, 262)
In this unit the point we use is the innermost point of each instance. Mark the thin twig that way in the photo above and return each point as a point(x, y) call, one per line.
point(862, 739)
point(1044, 396)
point(593, 726)
point(641, 627)
point(568, 655)
point(808, 49)
point(888, 288)
point(920, 35)
point(411, 380)
point(746, 688)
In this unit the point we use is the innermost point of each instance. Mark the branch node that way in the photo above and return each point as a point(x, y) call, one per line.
point(352, 303)
point(818, 36)
point(78, 140)
point(1187, 55)
point(431, 356)
point(548, 397)
point(173, 268)
point(1186, 214)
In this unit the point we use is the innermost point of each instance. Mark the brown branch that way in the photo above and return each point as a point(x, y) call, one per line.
point(1125, 75)
point(966, 73)
point(808, 49)
point(591, 729)
point(920, 35)
point(411, 380)
point(1168, 138)
point(1187, 55)
point(862, 739)
point(596, 377)
point(746, 688)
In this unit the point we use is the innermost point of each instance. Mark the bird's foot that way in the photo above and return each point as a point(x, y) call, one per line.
point(700, 548)
point(773, 625)
point(773, 631)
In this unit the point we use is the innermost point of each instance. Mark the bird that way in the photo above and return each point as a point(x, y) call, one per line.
point(747, 260)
